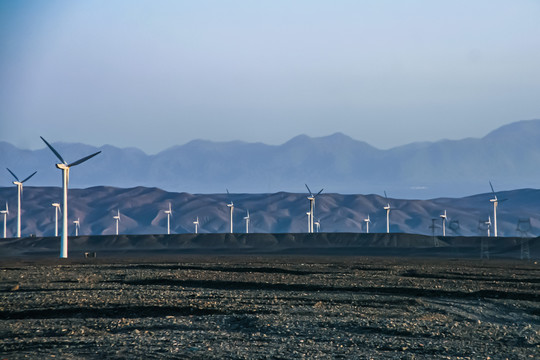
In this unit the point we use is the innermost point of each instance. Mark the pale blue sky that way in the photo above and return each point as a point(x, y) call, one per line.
point(154, 74)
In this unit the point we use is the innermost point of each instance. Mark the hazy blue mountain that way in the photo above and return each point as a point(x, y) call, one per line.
point(142, 212)
point(508, 156)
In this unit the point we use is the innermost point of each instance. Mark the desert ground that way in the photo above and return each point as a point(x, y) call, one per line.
point(269, 307)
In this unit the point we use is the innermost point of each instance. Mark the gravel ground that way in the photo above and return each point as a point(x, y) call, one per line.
point(270, 308)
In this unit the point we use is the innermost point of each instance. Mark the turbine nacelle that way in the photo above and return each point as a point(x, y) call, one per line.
point(62, 166)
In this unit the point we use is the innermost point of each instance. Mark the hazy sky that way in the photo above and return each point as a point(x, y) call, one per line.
point(158, 73)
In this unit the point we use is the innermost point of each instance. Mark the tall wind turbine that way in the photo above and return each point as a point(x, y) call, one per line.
point(196, 222)
point(387, 208)
point(247, 222)
point(5, 212)
point(19, 192)
point(64, 166)
point(367, 221)
point(443, 218)
point(311, 199)
point(169, 214)
point(117, 219)
point(495, 202)
point(77, 226)
point(56, 210)
point(231, 207)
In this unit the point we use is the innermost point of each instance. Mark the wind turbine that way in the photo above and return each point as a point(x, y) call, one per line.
point(196, 222)
point(19, 193)
point(64, 166)
point(247, 222)
point(311, 199)
point(318, 225)
point(387, 208)
point(5, 212)
point(117, 218)
point(56, 210)
point(77, 226)
point(443, 218)
point(231, 207)
point(495, 202)
point(367, 221)
point(488, 223)
point(169, 214)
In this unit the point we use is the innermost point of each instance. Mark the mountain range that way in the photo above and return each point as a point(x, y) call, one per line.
point(508, 156)
point(142, 212)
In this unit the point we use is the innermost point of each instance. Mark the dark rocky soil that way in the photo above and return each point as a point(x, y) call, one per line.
point(281, 307)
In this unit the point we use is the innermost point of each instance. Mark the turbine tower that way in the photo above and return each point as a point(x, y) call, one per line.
point(443, 218)
point(495, 202)
point(5, 212)
point(117, 218)
point(318, 225)
point(169, 214)
point(196, 222)
point(19, 193)
point(247, 222)
point(367, 221)
point(56, 210)
point(77, 226)
point(231, 207)
point(64, 166)
point(308, 222)
point(387, 208)
point(311, 199)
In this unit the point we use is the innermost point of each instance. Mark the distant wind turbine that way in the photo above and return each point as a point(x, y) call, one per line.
point(231, 207)
point(318, 225)
point(488, 223)
point(77, 226)
point(495, 202)
point(56, 210)
point(19, 193)
point(64, 166)
point(196, 222)
point(5, 212)
point(117, 219)
point(169, 214)
point(443, 218)
point(311, 199)
point(367, 221)
point(247, 222)
point(387, 208)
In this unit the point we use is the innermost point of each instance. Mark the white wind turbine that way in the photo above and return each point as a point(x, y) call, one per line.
point(64, 166)
point(495, 202)
point(231, 207)
point(318, 225)
point(196, 223)
point(19, 193)
point(77, 226)
point(246, 218)
point(169, 214)
point(5, 212)
point(311, 199)
point(488, 223)
point(387, 208)
point(443, 218)
point(56, 210)
point(117, 219)
point(367, 221)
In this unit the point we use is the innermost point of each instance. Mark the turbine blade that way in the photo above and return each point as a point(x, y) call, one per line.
point(11, 172)
point(83, 159)
point(29, 176)
point(319, 192)
point(7, 210)
point(493, 191)
point(310, 193)
point(386, 197)
point(53, 150)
